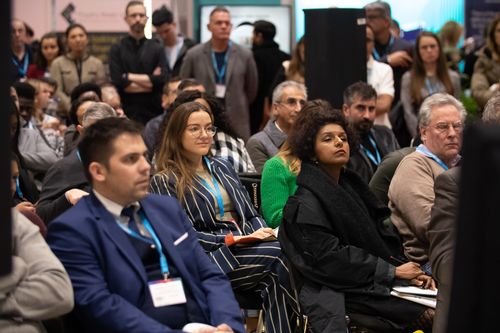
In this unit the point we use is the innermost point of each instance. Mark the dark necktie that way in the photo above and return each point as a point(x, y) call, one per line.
point(129, 212)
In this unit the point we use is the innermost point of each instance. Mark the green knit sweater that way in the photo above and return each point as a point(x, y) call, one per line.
point(277, 184)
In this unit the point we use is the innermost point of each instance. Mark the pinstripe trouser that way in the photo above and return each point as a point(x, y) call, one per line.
point(262, 269)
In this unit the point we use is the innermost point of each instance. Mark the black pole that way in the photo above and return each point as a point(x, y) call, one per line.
point(5, 82)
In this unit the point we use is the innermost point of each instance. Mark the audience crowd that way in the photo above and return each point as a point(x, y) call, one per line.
point(132, 209)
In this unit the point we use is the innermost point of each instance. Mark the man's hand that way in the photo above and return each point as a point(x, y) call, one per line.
point(399, 59)
point(74, 195)
point(157, 71)
point(408, 271)
point(424, 281)
point(25, 206)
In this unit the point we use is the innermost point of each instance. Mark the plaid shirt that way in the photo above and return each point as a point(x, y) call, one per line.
point(233, 150)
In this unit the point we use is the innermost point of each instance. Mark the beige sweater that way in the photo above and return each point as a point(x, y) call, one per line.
point(64, 71)
point(411, 197)
point(38, 287)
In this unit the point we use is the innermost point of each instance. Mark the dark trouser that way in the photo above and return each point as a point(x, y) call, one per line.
point(262, 269)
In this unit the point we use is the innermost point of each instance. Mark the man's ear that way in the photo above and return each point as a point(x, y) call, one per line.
point(345, 110)
point(79, 129)
point(98, 172)
point(274, 109)
point(423, 134)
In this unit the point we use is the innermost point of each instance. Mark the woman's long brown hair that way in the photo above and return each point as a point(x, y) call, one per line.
point(171, 159)
point(418, 70)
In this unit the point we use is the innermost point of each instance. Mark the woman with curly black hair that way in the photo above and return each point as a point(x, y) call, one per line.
point(334, 236)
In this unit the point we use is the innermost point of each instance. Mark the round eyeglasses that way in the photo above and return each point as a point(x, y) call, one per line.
point(196, 131)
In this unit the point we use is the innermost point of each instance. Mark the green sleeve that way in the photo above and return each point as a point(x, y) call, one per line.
point(277, 184)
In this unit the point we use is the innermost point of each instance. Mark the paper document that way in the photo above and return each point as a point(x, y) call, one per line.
point(423, 300)
point(415, 291)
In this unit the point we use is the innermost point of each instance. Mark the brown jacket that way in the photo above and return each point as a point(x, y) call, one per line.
point(64, 71)
point(486, 73)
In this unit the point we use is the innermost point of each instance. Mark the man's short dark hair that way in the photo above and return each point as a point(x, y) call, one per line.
point(218, 9)
point(381, 7)
point(161, 16)
point(186, 83)
point(73, 117)
point(83, 88)
point(166, 86)
point(133, 3)
point(96, 143)
point(24, 90)
point(266, 28)
point(361, 90)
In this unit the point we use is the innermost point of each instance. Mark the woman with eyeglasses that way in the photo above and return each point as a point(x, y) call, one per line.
point(76, 66)
point(428, 75)
point(334, 235)
point(230, 230)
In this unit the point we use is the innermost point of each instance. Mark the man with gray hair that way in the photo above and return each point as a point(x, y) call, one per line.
point(411, 193)
point(65, 182)
point(288, 99)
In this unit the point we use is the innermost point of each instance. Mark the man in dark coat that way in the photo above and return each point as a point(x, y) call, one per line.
point(376, 141)
point(268, 58)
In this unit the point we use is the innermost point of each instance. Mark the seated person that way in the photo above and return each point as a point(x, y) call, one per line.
point(133, 258)
point(443, 226)
point(65, 182)
point(226, 144)
point(22, 205)
point(288, 99)
point(278, 182)
point(26, 187)
point(411, 192)
point(381, 179)
point(485, 81)
point(221, 212)
point(35, 151)
point(38, 288)
point(84, 92)
point(360, 101)
point(111, 97)
point(333, 233)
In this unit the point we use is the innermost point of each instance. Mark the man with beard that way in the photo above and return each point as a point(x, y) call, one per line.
point(360, 103)
point(137, 67)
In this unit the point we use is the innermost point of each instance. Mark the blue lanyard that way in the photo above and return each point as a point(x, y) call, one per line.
point(375, 53)
point(153, 240)
point(220, 73)
point(216, 191)
point(375, 159)
point(430, 87)
point(423, 150)
point(22, 71)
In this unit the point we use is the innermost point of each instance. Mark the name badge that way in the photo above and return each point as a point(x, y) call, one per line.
point(167, 292)
point(220, 90)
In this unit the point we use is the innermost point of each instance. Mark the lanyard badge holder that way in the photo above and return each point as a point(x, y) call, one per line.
point(168, 291)
point(220, 86)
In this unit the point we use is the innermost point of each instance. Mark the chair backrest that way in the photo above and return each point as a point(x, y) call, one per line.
point(251, 181)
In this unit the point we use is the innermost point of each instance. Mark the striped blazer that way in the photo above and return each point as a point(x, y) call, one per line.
point(199, 205)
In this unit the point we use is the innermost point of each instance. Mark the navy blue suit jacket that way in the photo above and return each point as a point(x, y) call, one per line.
point(109, 279)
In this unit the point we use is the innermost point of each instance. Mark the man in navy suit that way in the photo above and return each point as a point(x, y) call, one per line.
point(133, 258)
